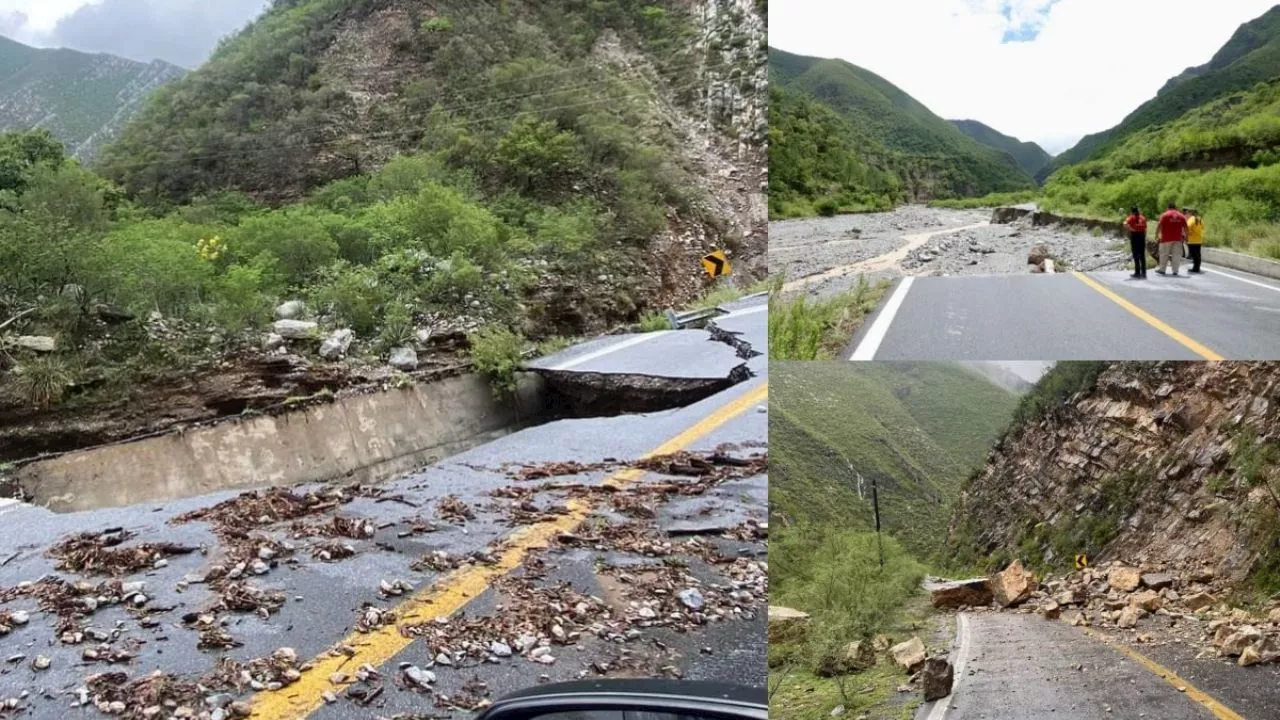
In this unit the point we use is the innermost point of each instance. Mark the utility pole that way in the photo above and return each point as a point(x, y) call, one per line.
point(875, 503)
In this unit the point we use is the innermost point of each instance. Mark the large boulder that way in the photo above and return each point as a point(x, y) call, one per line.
point(295, 329)
point(1123, 578)
point(1013, 585)
point(404, 358)
point(953, 595)
point(855, 656)
point(38, 343)
point(936, 680)
point(336, 345)
point(786, 624)
point(1157, 581)
point(291, 310)
point(909, 654)
point(1038, 254)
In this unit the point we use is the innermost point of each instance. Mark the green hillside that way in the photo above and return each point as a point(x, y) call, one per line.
point(816, 161)
point(931, 158)
point(896, 423)
point(1030, 156)
point(1251, 56)
point(82, 98)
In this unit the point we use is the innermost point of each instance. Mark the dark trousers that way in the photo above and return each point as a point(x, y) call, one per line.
point(1138, 243)
point(1195, 257)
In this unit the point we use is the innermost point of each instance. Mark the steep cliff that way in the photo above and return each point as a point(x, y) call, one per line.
point(1169, 465)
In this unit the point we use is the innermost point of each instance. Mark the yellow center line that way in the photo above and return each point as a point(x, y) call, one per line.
point(1150, 319)
point(453, 591)
point(1220, 711)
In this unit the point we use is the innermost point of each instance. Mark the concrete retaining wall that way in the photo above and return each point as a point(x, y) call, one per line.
point(1246, 263)
point(359, 438)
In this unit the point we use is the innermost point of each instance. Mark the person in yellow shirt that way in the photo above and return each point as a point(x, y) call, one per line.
point(1195, 237)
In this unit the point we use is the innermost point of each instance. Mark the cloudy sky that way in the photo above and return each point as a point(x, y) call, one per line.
point(1050, 71)
point(183, 32)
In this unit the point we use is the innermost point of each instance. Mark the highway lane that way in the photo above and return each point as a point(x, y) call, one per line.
point(1075, 316)
point(519, 531)
point(1022, 667)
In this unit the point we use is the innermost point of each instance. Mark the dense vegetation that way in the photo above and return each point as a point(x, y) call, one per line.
point(1251, 56)
point(897, 423)
point(1030, 156)
point(82, 98)
point(891, 131)
point(816, 164)
point(1222, 158)
point(498, 197)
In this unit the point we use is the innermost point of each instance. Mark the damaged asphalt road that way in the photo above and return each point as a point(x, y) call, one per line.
point(429, 595)
point(647, 372)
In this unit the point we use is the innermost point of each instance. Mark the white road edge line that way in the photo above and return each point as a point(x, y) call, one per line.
point(1243, 280)
point(866, 350)
point(740, 313)
point(940, 707)
point(610, 349)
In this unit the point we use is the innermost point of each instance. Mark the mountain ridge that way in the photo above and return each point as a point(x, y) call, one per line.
point(1030, 156)
point(84, 99)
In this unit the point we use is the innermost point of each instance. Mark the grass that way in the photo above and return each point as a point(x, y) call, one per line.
point(835, 575)
point(654, 321)
point(803, 329)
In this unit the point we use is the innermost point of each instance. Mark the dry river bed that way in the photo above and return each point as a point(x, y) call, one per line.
point(827, 255)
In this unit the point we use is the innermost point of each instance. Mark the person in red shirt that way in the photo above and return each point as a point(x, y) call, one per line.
point(1136, 224)
point(1172, 233)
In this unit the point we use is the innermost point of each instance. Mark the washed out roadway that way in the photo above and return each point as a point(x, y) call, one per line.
point(1076, 316)
point(323, 599)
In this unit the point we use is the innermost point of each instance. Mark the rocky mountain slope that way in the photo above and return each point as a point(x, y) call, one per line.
point(931, 157)
point(83, 99)
point(1165, 466)
point(1030, 156)
point(1252, 55)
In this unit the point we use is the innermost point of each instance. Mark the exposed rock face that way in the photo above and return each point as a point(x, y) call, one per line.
point(1137, 467)
point(936, 679)
point(1013, 585)
point(954, 595)
point(909, 654)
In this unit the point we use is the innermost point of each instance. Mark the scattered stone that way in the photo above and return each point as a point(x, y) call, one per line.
point(499, 649)
point(936, 679)
point(272, 341)
point(1038, 254)
point(418, 676)
point(1199, 601)
point(1235, 643)
point(1129, 617)
point(1148, 600)
point(404, 358)
point(1051, 610)
point(295, 329)
point(1157, 581)
point(909, 654)
point(336, 345)
point(691, 598)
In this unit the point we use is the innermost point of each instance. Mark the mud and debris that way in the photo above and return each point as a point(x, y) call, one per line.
point(451, 509)
point(250, 510)
point(99, 553)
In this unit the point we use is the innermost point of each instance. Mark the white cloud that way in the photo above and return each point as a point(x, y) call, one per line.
point(1091, 63)
point(42, 15)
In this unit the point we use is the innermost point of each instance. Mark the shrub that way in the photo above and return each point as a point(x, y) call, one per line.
point(497, 353)
point(828, 208)
point(297, 238)
point(42, 381)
